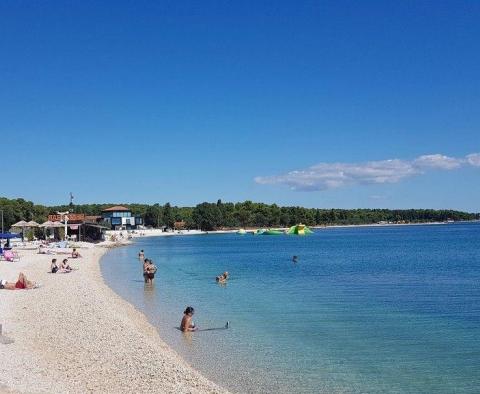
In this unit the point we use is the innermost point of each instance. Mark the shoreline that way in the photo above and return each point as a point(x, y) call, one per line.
point(75, 334)
point(381, 225)
point(160, 233)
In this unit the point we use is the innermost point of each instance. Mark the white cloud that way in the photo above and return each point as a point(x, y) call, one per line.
point(324, 176)
point(440, 162)
point(474, 159)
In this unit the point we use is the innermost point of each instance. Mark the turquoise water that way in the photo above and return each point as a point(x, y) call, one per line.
point(380, 309)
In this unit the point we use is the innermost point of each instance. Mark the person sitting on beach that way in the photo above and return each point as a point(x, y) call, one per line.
point(65, 267)
point(54, 266)
point(141, 255)
point(21, 283)
point(150, 271)
point(187, 323)
point(75, 254)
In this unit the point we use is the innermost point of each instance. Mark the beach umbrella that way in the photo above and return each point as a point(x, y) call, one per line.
point(9, 235)
point(21, 224)
point(31, 224)
point(49, 224)
point(45, 225)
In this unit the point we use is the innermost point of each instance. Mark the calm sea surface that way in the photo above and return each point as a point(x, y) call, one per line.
point(365, 310)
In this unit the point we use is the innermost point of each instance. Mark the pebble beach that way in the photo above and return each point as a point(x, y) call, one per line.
point(75, 335)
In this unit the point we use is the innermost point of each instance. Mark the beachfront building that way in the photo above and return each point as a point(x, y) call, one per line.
point(121, 218)
point(80, 227)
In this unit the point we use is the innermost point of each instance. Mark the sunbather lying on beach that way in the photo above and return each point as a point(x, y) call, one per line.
point(187, 324)
point(75, 254)
point(43, 250)
point(21, 283)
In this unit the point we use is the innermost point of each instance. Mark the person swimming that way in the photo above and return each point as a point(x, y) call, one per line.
point(187, 324)
point(222, 278)
point(295, 259)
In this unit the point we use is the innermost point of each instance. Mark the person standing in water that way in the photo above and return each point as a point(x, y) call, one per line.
point(141, 255)
point(150, 270)
point(187, 324)
point(146, 262)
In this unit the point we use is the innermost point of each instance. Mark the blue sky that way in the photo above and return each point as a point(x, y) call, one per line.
point(194, 101)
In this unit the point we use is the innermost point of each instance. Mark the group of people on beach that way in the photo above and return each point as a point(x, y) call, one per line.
point(42, 249)
point(23, 283)
point(64, 267)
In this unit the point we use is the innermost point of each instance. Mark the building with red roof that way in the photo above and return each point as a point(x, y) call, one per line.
point(121, 218)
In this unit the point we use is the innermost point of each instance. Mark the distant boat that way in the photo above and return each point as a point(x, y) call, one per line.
point(241, 231)
point(259, 231)
point(299, 229)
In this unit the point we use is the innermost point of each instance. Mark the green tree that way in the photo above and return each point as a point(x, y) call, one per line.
point(168, 218)
point(207, 216)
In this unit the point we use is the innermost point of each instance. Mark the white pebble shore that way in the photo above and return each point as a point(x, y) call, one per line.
point(75, 335)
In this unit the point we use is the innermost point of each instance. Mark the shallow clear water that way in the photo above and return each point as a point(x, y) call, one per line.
point(375, 309)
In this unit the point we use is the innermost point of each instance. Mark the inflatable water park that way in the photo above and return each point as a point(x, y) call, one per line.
point(298, 229)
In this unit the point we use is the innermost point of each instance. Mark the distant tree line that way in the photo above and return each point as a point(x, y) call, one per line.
point(211, 216)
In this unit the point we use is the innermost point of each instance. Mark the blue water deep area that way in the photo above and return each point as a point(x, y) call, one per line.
point(364, 310)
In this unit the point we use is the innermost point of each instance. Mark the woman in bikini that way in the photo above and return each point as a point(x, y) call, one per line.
point(54, 266)
point(65, 267)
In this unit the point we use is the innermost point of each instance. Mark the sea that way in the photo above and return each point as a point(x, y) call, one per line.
point(363, 310)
